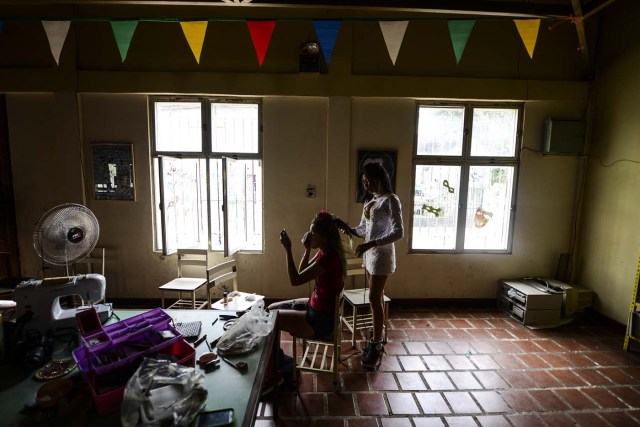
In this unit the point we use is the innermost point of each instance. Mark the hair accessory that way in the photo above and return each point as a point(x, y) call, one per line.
point(323, 214)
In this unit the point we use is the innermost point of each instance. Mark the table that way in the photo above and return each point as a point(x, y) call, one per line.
point(227, 387)
point(238, 302)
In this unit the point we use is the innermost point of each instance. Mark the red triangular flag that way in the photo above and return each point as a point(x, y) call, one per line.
point(261, 35)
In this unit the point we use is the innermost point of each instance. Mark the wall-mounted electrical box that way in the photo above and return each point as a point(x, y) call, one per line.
point(565, 137)
point(311, 191)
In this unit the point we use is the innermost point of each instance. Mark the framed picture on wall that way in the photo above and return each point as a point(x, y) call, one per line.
point(388, 161)
point(113, 171)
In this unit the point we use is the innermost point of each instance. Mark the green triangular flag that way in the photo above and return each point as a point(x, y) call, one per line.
point(459, 32)
point(123, 32)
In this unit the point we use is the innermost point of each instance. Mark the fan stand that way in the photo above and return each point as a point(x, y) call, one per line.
point(70, 301)
point(44, 264)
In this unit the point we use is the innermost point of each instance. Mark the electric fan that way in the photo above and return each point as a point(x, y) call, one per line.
point(66, 234)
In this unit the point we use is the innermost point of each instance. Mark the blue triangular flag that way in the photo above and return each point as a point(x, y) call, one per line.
point(1, 26)
point(327, 32)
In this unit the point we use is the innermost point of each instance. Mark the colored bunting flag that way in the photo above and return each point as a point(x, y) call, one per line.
point(1, 26)
point(327, 32)
point(393, 33)
point(57, 34)
point(459, 32)
point(123, 32)
point(528, 29)
point(261, 32)
point(194, 32)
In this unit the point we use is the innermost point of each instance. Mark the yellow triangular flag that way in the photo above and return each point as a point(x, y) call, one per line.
point(528, 29)
point(194, 31)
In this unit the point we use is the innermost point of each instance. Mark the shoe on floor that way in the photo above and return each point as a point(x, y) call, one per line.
point(371, 358)
point(269, 385)
point(285, 364)
point(366, 348)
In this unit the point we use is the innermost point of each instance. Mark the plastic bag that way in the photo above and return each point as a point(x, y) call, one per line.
point(162, 393)
point(245, 334)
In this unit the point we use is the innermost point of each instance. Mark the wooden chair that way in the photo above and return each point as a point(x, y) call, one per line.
point(195, 258)
point(224, 272)
point(321, 355)
point(92, 263)
point(358, 299)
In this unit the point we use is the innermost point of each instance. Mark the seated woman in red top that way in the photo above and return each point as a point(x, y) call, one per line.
point(313, 317)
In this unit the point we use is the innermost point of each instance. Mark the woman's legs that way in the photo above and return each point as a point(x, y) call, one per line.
point(375, 347)
point(295, 322)
point(290, 304)
point(292, 317)
point(376, 299)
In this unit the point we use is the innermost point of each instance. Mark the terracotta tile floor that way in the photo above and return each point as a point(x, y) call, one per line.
point(465, 367)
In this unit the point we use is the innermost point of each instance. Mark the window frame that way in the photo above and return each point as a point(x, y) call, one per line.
point(207, 154)
point(466, 161)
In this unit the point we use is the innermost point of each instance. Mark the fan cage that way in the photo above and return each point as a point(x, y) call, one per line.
point(66, 234)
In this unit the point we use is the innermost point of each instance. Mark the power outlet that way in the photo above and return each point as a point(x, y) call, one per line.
point(311, 191)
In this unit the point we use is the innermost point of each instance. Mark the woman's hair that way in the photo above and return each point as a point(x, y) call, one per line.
point(376, 171)
point(326, 225)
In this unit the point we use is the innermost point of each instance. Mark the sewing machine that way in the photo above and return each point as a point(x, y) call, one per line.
point(40, 299)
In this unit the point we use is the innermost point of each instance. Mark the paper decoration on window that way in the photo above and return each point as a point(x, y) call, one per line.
point(431, 209)
point(459, 31)
point(57, 34)
point(123, 32)
point(528, 29)
point(194, 31)
point(393, 33)
point(482, 217)
point(327, 32)
point(450, 189)
point(261, 32)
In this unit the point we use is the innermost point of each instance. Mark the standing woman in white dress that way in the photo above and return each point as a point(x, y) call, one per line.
point(380, 226)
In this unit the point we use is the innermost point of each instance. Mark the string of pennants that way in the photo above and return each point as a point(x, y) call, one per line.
point(261, 32)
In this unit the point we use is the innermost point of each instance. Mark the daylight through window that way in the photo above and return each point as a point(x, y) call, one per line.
point(207, 162)
point(464, 172)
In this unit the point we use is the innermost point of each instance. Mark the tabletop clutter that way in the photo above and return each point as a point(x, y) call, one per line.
point(109, 356)
point(145, 368)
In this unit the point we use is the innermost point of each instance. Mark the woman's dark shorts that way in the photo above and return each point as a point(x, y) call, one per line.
point(320, 321)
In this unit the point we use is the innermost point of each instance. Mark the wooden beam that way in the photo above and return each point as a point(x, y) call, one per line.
point(579, 22)
point(502, 8)
point(598, 9)
point(488, 8)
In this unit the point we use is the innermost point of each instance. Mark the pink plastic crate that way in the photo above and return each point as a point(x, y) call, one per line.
point(109, 356)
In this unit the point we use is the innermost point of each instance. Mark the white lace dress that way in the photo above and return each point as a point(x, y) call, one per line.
point(381, 222)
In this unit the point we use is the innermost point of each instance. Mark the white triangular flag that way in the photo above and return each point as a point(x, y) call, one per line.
point(57, 34)
point(393, 33)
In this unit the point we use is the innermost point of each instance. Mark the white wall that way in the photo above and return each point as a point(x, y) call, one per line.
point(307, 140)
point(609, 238)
